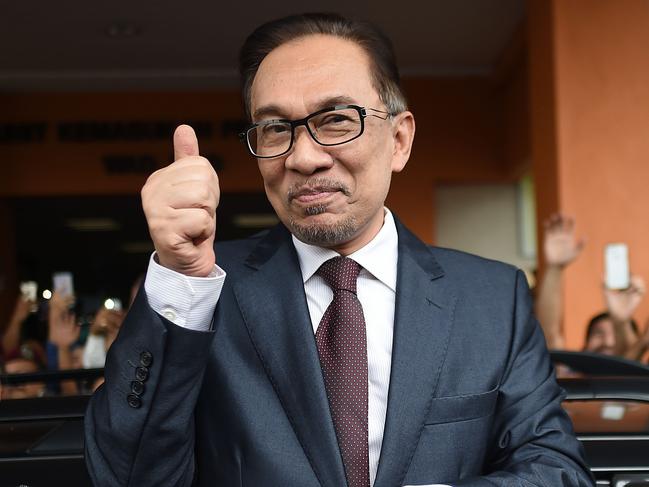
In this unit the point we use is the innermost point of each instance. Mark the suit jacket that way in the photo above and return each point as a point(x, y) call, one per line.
point(472, 401)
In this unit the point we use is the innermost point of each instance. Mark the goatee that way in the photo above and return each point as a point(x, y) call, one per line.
point(323, 235)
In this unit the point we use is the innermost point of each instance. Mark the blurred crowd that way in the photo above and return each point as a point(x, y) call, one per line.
point(612, 329)
point(49, 336)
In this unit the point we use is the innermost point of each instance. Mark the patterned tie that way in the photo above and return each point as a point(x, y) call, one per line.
point(342, 347)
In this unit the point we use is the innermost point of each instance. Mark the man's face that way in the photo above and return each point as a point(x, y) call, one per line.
point(602, 338)
point(328, 196)
point(21, 391)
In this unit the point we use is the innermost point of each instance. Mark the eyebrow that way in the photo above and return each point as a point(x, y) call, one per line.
point(277, 111)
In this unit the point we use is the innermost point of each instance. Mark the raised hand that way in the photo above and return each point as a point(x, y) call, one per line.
point(62, 326)
point(179, 203)
point(107, 322)
point(560, 245)
point(644, 336)
point(22, 309)
point(10, 337)
point(621, 304)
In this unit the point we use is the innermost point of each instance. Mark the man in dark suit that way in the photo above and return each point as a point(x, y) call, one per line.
point(340, 349)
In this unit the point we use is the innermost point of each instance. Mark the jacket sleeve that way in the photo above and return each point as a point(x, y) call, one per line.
point(139, 427)
point(532, 443)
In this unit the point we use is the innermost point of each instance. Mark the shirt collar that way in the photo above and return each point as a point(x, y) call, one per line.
point(378, 257)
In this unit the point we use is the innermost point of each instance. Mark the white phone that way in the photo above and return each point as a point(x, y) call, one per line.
point(616, 266)
point(29, 289)
point(63, 283)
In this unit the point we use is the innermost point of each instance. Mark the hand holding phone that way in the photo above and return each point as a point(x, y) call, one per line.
point(622, 303)
point(29, 289)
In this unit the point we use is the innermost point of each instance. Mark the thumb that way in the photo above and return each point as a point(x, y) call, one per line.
point(185, 142)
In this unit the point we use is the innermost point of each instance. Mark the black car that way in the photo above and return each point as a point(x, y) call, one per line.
point(42, 438)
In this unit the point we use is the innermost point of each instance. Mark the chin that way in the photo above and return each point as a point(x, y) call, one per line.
point(319, 230)
point(604, 350)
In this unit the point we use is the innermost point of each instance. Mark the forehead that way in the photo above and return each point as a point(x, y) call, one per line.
point(602, 326)
point(20, 365)
point(299, 76)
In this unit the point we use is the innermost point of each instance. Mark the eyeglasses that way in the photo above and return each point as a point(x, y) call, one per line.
point(330, 126)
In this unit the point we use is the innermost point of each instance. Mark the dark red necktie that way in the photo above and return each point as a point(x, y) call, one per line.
point(342, 346)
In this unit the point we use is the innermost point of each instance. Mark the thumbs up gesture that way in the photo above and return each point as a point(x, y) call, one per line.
point(179, 203)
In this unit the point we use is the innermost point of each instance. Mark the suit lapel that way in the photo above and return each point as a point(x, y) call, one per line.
point(272, 301)
point(423, 316)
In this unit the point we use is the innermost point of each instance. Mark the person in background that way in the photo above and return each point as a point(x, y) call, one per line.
point(62, 349)
point(620, 327)
point(103, 332)
point(11, 337)
point(561, 247)
point(21, 353)
point(63, 334)
point(639, 349)
point(612, 332)
point(30, 358)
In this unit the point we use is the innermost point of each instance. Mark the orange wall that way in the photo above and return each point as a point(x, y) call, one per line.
point(591, 135)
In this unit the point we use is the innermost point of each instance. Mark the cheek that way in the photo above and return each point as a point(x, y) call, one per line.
point(275, 186)
point(271, 173)
point(373, 179)
point(370, 166)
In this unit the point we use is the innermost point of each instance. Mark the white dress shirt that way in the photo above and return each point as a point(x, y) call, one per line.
point(376, 286)
point(185, 301)
point(190, 302)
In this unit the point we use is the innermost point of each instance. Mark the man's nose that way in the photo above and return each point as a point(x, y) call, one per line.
point(307, 156)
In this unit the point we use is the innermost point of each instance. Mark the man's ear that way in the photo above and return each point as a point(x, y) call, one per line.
point(403, 131)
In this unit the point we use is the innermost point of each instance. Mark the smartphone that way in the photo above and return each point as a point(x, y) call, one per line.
point(616, 266)
point(63, 283)
point(29, 289)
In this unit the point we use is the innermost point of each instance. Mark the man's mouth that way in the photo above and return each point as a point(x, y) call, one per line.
point(315, 191)
point(605, 350)
point(313, 195)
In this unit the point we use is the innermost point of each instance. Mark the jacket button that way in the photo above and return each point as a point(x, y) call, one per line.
point(146, 358)
point(141, 374)
point(133, 401)
point(137, 387)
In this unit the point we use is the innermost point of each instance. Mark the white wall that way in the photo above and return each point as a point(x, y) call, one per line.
point(491, 220)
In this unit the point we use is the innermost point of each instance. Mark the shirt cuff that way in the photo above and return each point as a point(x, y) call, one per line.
point(184, 300)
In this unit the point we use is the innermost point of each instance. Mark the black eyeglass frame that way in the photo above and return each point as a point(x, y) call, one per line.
point(362, 112)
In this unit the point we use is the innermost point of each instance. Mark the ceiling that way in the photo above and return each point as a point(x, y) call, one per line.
point(79, 45)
